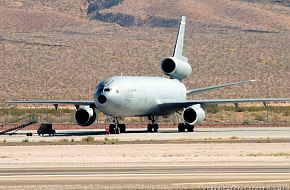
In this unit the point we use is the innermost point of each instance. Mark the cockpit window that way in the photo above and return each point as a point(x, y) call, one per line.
point(101, 90)
point(107, 90)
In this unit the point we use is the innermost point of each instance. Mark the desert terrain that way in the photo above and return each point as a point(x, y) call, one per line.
point(62, 49)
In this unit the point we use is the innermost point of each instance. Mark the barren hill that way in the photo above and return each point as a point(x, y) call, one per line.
point(70, 45)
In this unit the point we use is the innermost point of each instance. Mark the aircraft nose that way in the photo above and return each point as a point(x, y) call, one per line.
point(102, 99)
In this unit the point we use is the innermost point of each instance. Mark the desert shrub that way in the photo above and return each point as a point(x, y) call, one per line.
point(259, 116)
point(25, 140)
point(63, 140)
point(88, 139)
point(246, 122)
point(212, 109)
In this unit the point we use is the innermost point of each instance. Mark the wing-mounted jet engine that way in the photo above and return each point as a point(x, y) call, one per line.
point(85, 116)
point(177, 67)
point(193, 114)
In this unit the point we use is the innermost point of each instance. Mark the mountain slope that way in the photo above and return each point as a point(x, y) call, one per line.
point(61, 45)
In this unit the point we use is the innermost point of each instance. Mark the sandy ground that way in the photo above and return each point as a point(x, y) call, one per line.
point(215, 154)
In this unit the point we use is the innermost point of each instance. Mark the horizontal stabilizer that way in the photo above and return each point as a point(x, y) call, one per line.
point(206, 89)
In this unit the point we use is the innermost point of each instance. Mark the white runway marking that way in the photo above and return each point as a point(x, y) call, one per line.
point(132, 174)
point(233, 182)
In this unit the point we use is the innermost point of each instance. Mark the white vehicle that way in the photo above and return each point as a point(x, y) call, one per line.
point(128, 96)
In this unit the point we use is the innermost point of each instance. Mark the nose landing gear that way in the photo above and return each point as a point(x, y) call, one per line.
point(116, 127)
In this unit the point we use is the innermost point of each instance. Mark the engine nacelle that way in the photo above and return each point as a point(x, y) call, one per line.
point(175, 68)
point(193, 114)
point(85, 116)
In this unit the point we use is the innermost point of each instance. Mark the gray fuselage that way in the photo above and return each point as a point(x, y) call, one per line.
point(137, 96)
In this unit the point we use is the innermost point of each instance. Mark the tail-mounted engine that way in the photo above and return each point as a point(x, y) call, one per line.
point(175, 68)
point(85, 116)
point(193, 114)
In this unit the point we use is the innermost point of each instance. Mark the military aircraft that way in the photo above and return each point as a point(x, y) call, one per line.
point(128, 96)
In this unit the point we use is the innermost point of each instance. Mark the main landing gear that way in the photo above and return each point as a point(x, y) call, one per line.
point(152, 127)
point(116, 127)
point(182, 127)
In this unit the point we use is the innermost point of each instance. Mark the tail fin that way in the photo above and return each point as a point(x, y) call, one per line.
point(177, 67)
point(178, 50)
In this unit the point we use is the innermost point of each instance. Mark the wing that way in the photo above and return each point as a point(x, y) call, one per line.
point(76, 103)
point(174, 106)
point(206, 89)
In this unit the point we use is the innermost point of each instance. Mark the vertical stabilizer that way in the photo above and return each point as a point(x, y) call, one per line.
point(178, 50)
point(177, 67)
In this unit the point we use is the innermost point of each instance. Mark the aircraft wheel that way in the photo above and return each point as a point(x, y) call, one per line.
point(155, 128)
point(181, 127)
point(112, 129)
point(190, 128)
point(122, 128)
point(149, 128)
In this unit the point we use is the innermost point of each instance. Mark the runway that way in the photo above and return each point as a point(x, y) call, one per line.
point(157, 162)
point(170, 176)
point(163, 134)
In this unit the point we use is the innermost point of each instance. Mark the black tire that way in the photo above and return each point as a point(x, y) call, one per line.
point(122, 128)
point(112, 129)
point(181, 127)
point(155, 127)
point(190, 128)
point(149, 128)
